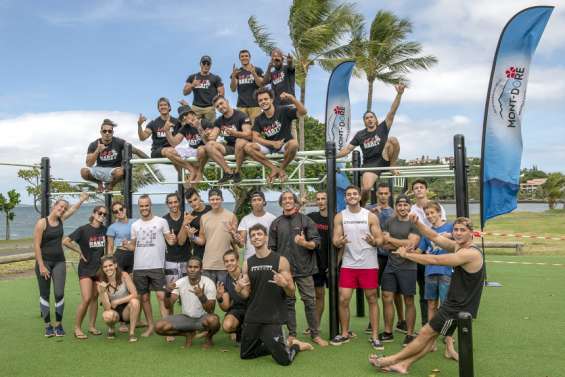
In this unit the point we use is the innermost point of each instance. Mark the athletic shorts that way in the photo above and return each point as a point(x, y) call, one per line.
point(376, 163)
point(366, 278)
point(184, 323)
point(444, 321)
point(173, 272)
point(102, 174)
point(267, 150)
point(383, 260)
point(185, 151)
point(320, 280)
point(437, 287)
point(149, 280)
point(156, 153)
point(120, 310)
point(238, 313)
point(215, 275)
point(401, 281)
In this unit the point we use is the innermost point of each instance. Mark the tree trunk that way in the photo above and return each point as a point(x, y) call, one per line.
point(301, 130)
point(7, 227)
point(370, 94)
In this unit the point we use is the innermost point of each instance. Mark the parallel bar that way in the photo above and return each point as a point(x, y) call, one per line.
point(76, 193)
point(332, 192)
point(461, 189)
point(356, 163)
point(45, 186)
point(465, 336)
point(108, 204)
point(128, 179)
point(180, 190)
point(20, 165)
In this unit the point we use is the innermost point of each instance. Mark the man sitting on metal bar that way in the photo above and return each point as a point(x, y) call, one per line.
point(464, 293)
point(235, 129)
point(272, 131)
point(104, 158)
point(377, 148)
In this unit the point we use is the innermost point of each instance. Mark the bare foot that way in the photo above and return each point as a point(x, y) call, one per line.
point(290, 340)
point(451, 354)
point(303, 346)
point(147, 332)
point(201, 334)
point(271, 177)
point(169, 339)
point(396, 368)
point(434, 348)
point(282, 176)
point(141, 323)
point(207, 344)
point(374, 360)
point(319, 341)
point(123, 328)
point(100, 187)
point(188, 341)
point(109, 187)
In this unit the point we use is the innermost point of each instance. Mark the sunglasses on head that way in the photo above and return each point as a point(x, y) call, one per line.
point(117, 210)
point(107, 131)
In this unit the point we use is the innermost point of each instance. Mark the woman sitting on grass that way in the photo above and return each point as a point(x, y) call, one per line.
point(50, 262)
point(118, 297)
point(89, 241)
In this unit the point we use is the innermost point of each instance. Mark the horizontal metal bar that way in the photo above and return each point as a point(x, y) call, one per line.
point(20, 165)
point(400, 168)
point(73, 193)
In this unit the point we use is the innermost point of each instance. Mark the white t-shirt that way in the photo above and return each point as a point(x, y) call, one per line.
point(191, 305)
point(422, 214)
point(247, 222)
point(150, 244)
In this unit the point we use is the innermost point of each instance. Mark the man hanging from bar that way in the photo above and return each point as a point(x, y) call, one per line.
point(377, 148)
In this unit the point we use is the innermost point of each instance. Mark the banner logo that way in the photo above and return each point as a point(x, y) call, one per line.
point(509, 94)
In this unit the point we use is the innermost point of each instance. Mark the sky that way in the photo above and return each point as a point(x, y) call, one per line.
point(67, 65)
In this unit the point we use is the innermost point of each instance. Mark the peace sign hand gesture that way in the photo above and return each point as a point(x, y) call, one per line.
point(370, 239)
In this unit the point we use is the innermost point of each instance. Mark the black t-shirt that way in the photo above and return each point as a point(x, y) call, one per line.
point(197, 249)
point(192, 135)
point(157, 127)
point(111, 157)
point(372, 143)
point(92, 242)
point(323, 253)
point(400, 230)
point(237, 301)
point(176, 253)
point(278, 127)
point(236, 122)
point(246, 87)
point(282, 80)
point(206, 90)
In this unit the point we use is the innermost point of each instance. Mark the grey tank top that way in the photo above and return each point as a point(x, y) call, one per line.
point(120, 292)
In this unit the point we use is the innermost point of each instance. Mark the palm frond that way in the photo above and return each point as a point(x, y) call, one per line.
point(261, 36)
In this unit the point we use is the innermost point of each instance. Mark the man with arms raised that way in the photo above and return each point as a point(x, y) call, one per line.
point(229, 300)
point(104, 158)
point(258, 215)
point(280, 76)
point(272, 131)
point(358, 233)
point(205, 86)
point(149, 238)
point(464, 293)
point(246, 80)
point(377, 148)
point(235, 128)
point(399, 276)
point(265, 283)
point(198, 299)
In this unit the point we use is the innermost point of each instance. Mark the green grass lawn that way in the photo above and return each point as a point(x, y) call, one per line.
point(519, 332)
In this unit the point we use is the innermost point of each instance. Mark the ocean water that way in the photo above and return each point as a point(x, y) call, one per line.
point(26, 216)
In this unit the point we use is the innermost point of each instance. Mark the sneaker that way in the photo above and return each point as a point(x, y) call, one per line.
point(49, 332)
point(376, 344)
point(59, 331)
point(236, 177)
point(369, 329)
point(401, 327)
point(339, 339)
point(386, 337)
point(408, 339)
point(225, 179)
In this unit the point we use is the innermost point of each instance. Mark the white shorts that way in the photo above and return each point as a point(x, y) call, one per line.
point(186, 151)
point(266, 150)
point(102, 174)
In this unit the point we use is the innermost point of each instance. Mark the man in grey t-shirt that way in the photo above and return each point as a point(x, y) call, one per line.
point(400, 274)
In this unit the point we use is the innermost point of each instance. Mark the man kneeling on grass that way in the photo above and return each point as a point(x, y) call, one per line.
point(198, 299)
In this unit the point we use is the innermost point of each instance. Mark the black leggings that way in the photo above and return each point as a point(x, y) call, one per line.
point(261, 339)
point(58, 271)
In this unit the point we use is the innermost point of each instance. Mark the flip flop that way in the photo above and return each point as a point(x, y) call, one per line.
point(111, 334)
point(80, 336)
point(132, 339)
point(95, 332)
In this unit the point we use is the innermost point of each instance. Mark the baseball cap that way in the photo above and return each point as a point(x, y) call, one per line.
point(206, 58)
point(109, 122)
point(184, 109)
point(402, 198)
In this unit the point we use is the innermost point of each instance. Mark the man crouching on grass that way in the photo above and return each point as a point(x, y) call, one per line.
point(198, 299)
point(464, 291)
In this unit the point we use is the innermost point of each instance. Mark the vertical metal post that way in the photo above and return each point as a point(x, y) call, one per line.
point(461, 189)
point(180, 191)
point(108, 204)
point(391, 197)
point(465, 335)
point(356, 163)
point(332, 205)
point(127, 187)
point(45, 186)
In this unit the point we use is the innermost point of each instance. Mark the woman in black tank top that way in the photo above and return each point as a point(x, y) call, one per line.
point(50, 262)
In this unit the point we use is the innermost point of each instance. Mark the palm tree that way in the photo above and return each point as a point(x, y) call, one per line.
point(553, 188)
point(384, 54)
point(317, 29)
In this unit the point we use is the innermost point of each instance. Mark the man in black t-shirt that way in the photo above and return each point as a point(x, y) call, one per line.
point(177, 255)
point(280, 76)
point(104, 158)
point(246, 80)
point(205, 86)
point(235, 130)
point(377, 148)
point(192, 220)
point(272, 132)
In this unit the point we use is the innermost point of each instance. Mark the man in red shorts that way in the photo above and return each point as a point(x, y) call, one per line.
point(357, 233)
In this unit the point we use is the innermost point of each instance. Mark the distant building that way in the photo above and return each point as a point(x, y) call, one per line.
point(532, 185)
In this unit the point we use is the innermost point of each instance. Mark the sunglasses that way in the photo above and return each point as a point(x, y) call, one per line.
point(116, 211)
point(101, 213)
point(205, 63)
point(107, 131)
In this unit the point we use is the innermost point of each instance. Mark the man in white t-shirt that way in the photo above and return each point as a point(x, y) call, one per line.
point(149, 236)
point(257, 216)
point(420, 190)
point(198, 300)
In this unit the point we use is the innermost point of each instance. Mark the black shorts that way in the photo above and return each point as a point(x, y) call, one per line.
point(125, 260)
point(120, 310)
point(149, 280)
point(156, 153)
point(444, 322)
point(401, 281)
point(376, 163)
point(320, 280)
point(238, 313)
point(383, 260)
